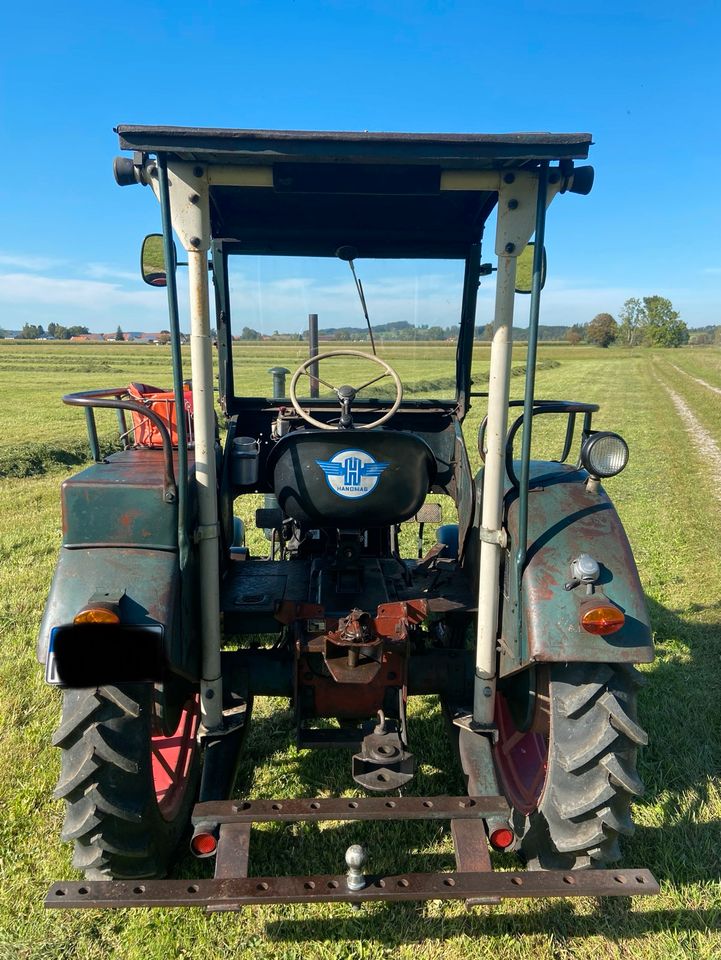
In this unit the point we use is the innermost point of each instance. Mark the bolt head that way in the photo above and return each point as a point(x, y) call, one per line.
point(195, 241)
point(355, 856)
point(510, 247)
point(513, 204)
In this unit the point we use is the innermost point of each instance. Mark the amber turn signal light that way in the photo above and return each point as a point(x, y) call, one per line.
point(602, 619)
point(97, 614)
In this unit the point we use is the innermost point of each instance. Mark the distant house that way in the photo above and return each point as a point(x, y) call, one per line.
point(88, 338)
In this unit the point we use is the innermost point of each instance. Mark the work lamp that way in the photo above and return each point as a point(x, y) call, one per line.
point(604, 454)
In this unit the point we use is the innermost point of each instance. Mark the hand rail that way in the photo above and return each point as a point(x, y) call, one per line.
point(113, 398)
point(571, 408)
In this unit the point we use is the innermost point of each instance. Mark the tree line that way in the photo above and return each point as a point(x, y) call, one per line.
point(650, 322)
point(33, 331)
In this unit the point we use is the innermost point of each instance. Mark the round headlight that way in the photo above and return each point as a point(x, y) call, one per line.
point(604, 454)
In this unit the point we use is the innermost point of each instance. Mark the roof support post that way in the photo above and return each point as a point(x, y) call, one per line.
point(516, 220)
point(201, 359)
point(191, 219)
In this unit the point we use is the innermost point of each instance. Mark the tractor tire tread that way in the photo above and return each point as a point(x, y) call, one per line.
point(106, 782)
point(591, 777)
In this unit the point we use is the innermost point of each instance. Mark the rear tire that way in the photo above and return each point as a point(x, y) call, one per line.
point(129, 785)
point(584, 732)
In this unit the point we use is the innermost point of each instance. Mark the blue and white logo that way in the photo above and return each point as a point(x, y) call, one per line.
point(352, 473)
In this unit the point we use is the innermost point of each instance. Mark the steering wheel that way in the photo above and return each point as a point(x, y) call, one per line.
point(346, 394)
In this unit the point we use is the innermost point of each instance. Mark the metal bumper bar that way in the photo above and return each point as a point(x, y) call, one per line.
point(350, 808)
point(231, 888)
point(218, 895)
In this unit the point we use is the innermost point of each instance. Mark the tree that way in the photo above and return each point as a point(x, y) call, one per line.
point(664, 326)
point(247, 333)
point(602, 330)
point(573, 336)
point(633, 320)
point(76, 331)
point(31, 331)
point(119, 335)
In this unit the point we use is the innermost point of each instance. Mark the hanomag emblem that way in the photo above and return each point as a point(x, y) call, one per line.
point(352, 473)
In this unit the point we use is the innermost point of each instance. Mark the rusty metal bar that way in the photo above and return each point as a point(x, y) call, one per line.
point(233, 894)
point(350, 808)
point(471, 847)
point(231, 860)
point(472, 856)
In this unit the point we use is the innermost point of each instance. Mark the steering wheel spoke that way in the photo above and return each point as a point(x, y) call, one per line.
point(381, 376)
point(314, 377)
point(303, 370)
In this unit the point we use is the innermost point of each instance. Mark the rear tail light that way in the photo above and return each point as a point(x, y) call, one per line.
point(204, 842)
point(602, 619)
point(501, 838)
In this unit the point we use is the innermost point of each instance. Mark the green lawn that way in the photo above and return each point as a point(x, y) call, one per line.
point(668, 500)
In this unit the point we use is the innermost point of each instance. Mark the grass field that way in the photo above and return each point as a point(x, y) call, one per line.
point(668, 406)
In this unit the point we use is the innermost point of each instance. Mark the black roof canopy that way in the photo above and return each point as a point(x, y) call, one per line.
point(379, 192)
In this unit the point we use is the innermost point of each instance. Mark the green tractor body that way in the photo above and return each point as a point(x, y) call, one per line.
point(524, 614)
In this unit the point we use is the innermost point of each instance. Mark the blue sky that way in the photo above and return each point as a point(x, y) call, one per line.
point(644, 78)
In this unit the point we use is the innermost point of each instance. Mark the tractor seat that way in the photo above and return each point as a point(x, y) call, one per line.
point(351, 478)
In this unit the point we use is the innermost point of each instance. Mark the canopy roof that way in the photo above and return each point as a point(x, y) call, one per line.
point(378, 192)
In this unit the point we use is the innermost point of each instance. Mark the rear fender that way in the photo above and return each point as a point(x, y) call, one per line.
point(148, 582)
point(565, 519)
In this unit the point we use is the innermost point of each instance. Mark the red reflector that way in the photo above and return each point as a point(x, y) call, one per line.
point(203, 844)
point(603, 619)
point(501, 838)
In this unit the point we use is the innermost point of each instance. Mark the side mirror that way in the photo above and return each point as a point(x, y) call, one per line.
point(152, 261)
point(524, 269)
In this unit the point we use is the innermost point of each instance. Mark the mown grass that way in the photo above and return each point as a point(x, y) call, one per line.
point(667, 501)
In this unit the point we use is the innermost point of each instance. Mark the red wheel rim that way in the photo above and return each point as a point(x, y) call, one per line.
point(521, 759)
point(171, 757)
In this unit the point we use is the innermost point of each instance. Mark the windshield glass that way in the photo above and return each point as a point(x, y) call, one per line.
point(414, 308)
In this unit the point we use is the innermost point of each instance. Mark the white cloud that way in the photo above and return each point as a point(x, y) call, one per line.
point(106, 297)
point(29, 262)
point(25, 288)
point(284, 304)
point(101, 271)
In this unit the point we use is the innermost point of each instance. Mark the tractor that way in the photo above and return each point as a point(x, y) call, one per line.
point(524, 614)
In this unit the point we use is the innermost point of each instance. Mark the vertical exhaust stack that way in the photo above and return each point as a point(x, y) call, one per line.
point(313, 352)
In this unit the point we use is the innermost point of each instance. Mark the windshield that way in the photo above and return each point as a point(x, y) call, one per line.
point(413, 305)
